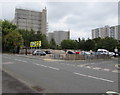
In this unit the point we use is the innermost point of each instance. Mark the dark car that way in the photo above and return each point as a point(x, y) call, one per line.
point(47, 52)
point(38, 52)
point(70, 52)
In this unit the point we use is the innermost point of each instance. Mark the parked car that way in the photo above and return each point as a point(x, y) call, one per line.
point(111, 54)
point(39, 52)
point(116, 54)
point(77, 52)
point(85, 53)
point(103, 51)
point(47, 52)
point(70, 52)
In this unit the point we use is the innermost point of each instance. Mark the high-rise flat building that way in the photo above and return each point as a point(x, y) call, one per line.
point(107, 31)
point(58, 36)
point(28, 19)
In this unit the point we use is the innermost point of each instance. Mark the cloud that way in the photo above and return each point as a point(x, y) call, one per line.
point(82, 17)
point(79, 17)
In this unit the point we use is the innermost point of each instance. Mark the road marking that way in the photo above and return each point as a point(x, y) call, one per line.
point(112, 92)
point(88, 67)
point(80, 65)
point(94, 77)
point(96, 68)
point(35, 63)
point(8, 63)
point(79, 74)
point(43, 65)
point(46, 66)
point(20, 60)
point(54, 68)
point(116, 71)
point(106, 69)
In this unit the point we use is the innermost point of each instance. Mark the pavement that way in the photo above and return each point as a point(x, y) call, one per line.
point(55, 76)
point(13, 85)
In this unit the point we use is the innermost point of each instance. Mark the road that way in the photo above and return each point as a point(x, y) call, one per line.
point(63, 76)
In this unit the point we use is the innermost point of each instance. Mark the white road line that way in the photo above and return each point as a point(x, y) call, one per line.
point(80, 65)
point(43, 65)
point(115, 71)
point(96, 68)
point(20, 60)
point(35, 63)
point(88, 67)
point(94, 77)
point(106, 69)
point(46, 66)
point(79, 74)
point(8, 63)
point(54, 68)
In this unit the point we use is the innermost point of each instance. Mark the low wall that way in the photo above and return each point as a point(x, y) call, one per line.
point(79, 57)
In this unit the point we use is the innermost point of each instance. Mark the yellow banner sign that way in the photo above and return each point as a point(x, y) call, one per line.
point(35, 44)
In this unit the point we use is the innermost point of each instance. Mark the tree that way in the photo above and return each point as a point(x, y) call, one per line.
point(69, 44)
point(29, 36)
point(12, 41)
point(52, 44)
point(81, 43)
point(7, 27)
point(97, 41)
point(89, 45)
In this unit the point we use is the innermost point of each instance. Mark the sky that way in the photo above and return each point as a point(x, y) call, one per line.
point(78, 16)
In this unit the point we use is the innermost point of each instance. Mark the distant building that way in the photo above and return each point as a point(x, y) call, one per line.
point(107, 31)
point(28, 19)
point(58, 36)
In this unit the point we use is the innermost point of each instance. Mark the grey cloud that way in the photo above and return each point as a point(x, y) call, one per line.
point(80, 17)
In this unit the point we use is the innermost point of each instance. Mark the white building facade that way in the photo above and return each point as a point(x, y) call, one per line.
point(107, 31)
point(28, 19)
point(59, 36)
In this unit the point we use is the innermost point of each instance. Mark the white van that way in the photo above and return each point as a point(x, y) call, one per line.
point(103, 51)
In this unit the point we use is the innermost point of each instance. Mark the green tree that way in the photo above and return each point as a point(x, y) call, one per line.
point(52, 44)
point(108, 43)
point(7, 27)
point(29, 36)
point(89, 45)
point(12, 41)
point(81, 43)
point(97, 41)
point(69, 44)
